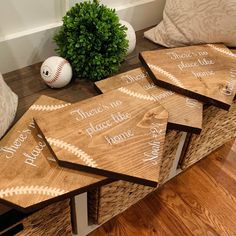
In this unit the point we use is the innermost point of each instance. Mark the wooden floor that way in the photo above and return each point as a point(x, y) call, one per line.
point(201, 201)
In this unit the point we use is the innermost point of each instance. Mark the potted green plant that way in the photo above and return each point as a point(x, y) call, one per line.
point(92, 40)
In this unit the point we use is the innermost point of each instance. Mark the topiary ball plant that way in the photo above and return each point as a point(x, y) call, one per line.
point(92, 40)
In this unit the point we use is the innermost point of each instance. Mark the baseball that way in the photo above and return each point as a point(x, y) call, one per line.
point(56, 72)
point(130, 35)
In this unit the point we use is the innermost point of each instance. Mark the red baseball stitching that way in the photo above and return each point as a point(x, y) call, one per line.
point(58, 71)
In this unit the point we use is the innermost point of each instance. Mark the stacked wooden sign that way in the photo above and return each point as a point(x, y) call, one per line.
point(119, 134)
point(30, 177)
point(116, 135)
point(206, 72)
point(184, 113)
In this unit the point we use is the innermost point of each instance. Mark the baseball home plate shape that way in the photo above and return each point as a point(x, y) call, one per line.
point(206, 72)
point(29, 175)
point(119, 134)
point(185, 113)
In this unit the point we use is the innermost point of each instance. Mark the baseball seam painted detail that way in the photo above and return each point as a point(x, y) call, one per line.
point(33, 189)
point(222, 50)
point(48, 107)
point(166, 74)
point(72, 149)
point(136, 95)
point(58, 71)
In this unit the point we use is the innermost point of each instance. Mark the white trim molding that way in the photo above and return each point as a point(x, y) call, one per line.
point(32, 45)
point(24, 48)
point(27, 47)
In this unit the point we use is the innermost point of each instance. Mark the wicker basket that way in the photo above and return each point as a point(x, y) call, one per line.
point(114, 198)
point(51, 220)
point(219, 126)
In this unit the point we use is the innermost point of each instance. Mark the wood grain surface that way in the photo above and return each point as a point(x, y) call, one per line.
point(29, 175)
point(140, 219)
point(185, 114)
point(119, 134)
point(200, 201)
point(28, 85)
point(206, 72)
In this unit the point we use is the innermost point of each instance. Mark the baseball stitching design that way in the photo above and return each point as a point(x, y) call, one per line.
point(72, 149)
point(58, 71)
point(137, 95)
point(222, 50)
point(33, 189)
point(167, 74)
point(48, 107)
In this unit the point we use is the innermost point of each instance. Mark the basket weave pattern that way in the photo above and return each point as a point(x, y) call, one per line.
point(51, 220)
point(219, 126)
point(110, 200)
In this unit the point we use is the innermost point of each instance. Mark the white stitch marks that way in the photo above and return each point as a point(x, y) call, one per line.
point(48, 107)
point(222, 50)
point(58, 72)
point(137, 95)
point(33, 189)
point(72, 149)
point(167, 74)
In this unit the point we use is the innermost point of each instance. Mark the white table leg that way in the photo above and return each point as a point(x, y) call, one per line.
point(80, 201)
point(81, 216)
point(175, 170)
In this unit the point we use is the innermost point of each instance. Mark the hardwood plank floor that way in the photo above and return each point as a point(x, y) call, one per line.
point(200, 201)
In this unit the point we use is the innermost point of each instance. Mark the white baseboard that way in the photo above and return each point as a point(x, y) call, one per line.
point(35, 45)
point(26, 48)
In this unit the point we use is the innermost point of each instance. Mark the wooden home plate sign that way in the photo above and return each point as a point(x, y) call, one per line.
point(185, 113)
point(206, 72)
point(29, 175)
point(119, 134)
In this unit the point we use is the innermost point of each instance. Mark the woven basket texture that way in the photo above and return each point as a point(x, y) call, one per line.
point(219, 126)
point(52, 220)
point(110, 200)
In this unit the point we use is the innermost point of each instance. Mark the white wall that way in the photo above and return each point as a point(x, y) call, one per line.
point(26, 30)
point(117, 4)
point(27, 26)
point(140, 13)
point(20, 15)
